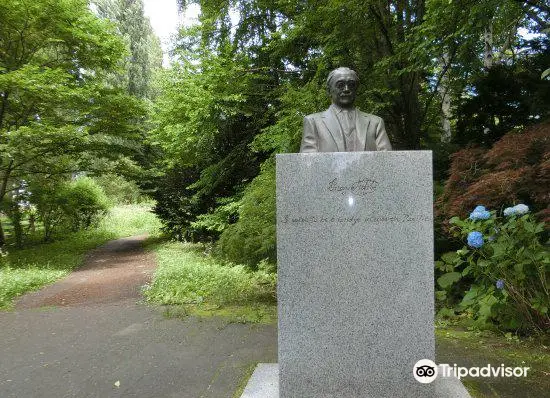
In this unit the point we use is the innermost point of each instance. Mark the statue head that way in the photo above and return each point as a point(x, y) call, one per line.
point(342, 86)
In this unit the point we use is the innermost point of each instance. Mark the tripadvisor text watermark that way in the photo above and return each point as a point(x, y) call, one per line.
point(426, 371)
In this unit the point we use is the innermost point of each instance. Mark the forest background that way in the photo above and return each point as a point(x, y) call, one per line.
point(444, 75)
point(86, 107)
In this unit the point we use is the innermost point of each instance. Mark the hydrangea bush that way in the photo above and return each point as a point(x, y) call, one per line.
point(505, 266)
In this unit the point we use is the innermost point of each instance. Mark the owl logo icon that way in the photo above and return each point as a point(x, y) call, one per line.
point(425, 371)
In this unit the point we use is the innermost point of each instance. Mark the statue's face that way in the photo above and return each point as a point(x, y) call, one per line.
point(343, 89)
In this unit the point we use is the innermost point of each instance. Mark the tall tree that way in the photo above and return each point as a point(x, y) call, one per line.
point(144, 51)
point(57, 113)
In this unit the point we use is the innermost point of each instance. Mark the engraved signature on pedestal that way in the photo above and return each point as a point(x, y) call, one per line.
point(360, 187)
point(353, 220)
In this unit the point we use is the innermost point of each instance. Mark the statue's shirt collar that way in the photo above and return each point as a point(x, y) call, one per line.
point(338, 109)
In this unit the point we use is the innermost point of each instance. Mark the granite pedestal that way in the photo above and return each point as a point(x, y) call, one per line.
point(355, 273)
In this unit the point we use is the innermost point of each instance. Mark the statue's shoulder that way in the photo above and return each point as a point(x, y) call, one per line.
point(317, 115)
point(371, 117)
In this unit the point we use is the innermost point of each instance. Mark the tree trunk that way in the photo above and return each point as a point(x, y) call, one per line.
point(14, 213)
point(3, 190)
point(444, 91)
point(488, 41)
point(32, 224)
point(2, 236)
point(410, 111)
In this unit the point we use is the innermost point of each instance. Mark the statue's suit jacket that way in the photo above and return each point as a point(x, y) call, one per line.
point(322, 133)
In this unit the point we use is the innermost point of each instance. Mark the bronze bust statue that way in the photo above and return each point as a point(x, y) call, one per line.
point(342, 127)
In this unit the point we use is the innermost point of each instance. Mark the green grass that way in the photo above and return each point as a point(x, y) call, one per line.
point(129, 220)
point(193, 283)
point(30, 268)
point(15, 281)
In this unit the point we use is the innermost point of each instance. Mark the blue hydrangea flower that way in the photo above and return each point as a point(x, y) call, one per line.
point(480, 213)
point(516, 210)
point(475, 239)
point(521, 209)
point(500, 284)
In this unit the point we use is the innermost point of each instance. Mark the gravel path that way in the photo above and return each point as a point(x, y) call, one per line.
point(90, 335)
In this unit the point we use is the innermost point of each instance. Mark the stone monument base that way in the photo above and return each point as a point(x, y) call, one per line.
point(264, 383)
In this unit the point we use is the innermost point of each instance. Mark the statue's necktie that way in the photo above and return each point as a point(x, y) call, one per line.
point(347, 121)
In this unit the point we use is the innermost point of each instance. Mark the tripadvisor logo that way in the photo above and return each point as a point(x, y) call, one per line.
point(425, 371)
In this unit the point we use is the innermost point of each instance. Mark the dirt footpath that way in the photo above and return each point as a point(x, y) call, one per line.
point(113, 272)
point(90, 335)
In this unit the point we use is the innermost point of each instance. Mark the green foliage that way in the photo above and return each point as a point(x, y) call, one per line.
point(204, 128)
point(220, 218)
point(15, 209)
point(285, 134)
point(119, 190)
point(143, 47)
point(197, 111)
point(185, 275)
point(504, 97)
point(251, 239)
point(508, 276)
point(48, 201)
point(175, 205)
point(129, 220)
point(237, 92)
point(16, 281)
point(54, 208)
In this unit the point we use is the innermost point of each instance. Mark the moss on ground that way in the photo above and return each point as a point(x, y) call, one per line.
point(254, 313)
point(247, 374)
point(457, 345)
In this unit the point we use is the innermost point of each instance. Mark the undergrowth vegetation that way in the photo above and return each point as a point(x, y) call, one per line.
point(187, 275)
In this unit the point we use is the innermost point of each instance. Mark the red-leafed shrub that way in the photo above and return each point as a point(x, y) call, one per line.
point(515, 170)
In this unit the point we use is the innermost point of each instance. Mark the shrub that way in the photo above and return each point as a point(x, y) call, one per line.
point(83, 202)
point(76, 205)
point(516, 169)
point(505, 266)
point(175, 204)
point(252, 238)
point(186, 276)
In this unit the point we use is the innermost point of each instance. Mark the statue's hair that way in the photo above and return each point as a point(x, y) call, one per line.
point(342, 69)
